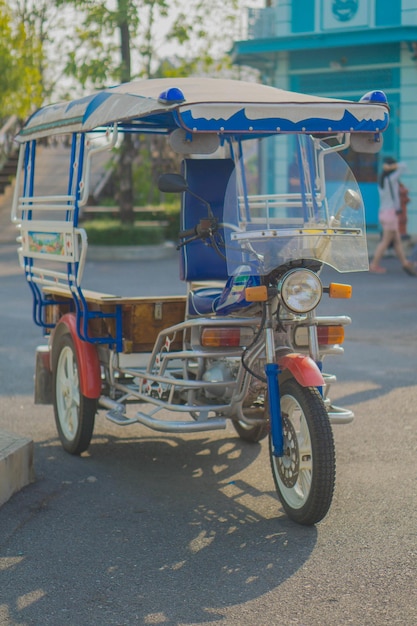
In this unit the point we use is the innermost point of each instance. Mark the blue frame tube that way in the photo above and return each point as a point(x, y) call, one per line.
point(300, 161)
point(277, 436)
point(312, 168)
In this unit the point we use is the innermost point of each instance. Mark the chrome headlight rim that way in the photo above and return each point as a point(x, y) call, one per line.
point(296, 301)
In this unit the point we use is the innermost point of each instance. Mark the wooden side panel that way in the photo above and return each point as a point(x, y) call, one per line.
point(145, 320)
point(53, 312)
point(142, 318)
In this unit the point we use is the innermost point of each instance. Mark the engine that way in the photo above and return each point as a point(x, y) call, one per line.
point(220, 371)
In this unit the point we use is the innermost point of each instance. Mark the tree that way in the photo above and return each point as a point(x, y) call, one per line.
point(103, 53)
point(119, 40)
point(20, 91)
point(109, 41)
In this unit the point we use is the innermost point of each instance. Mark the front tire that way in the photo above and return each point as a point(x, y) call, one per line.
point(305, 475)
point(74, 413)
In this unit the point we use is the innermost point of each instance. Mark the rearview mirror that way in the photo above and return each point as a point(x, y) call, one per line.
point(367, 143)
point(172, 183)
point(352, 199)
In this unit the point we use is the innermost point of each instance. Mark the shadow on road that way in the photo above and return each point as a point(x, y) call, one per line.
point(173, 535)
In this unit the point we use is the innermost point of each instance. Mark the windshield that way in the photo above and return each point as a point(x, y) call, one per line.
point(293, 198)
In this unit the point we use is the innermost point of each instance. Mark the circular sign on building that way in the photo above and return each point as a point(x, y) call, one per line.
point(340, 14)
point(345, 10)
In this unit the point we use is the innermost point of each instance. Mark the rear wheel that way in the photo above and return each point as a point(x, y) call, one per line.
point(74, 413)
point(254, 409)
point(305, 475)
point(253, 432)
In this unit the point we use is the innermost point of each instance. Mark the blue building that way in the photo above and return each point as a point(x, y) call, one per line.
point(344, 48)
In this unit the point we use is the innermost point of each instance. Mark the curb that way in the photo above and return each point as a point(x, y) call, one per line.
point(16, 464)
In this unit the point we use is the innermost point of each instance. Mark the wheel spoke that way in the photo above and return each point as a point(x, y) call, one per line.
point(62, 380)
point(75, 393)
point(304, 434)
point(70, 418)
point(304, 447)
point(304, 481)
point(68, 395)
point(69, 421)
point(306, 462)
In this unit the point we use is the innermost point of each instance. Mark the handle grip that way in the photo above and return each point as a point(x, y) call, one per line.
point(191, 232)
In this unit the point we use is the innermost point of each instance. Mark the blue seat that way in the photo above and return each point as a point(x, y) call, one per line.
point(203, 301)
point(199, 262)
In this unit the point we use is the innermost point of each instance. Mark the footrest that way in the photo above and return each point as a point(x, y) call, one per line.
point(120, 418)
point(338, 415)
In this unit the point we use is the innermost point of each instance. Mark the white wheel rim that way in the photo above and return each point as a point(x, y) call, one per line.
point(297, 495)
point(67, 393)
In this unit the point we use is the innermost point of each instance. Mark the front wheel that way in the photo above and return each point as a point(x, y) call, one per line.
point(74, 413)
point(305, 475)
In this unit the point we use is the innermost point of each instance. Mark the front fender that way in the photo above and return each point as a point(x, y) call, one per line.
point(87, 356)
point(305, 371)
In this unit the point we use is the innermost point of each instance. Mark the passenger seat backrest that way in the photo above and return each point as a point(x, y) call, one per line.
point(207, 178)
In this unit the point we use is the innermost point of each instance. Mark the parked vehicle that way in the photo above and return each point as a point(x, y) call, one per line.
point(245, 345)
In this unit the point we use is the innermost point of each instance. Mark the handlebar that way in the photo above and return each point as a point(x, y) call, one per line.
point(184, 234)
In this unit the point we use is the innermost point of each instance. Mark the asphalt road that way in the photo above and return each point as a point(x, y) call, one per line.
point(187, 530)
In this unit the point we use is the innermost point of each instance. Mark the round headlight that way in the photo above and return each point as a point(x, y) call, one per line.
point(301, 290)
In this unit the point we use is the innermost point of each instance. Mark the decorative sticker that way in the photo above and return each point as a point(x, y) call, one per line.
point(58, 244)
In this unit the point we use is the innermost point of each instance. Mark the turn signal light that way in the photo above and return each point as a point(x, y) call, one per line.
point(337, 290)
point(330, 335)
point(256, 294)
point(226, 337)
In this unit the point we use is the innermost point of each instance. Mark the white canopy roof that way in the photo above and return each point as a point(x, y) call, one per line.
point(222, 106)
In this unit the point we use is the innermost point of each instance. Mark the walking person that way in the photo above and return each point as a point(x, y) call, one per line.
point(389, 205)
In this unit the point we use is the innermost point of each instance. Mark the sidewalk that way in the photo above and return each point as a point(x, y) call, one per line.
point(374, 238)
point(16, 464)
point(16, 453)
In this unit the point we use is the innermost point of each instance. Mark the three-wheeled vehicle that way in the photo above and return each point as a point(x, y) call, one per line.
point(266, 200)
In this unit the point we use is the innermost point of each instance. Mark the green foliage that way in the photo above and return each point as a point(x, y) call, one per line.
point(111, 232)
point(105, 35)
point(153, 156)
point(121, 40)
point(144, 189)
point(108, 230)
point(20, 89)
point(208, 31)
point(173, 219)
point(105, 42)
